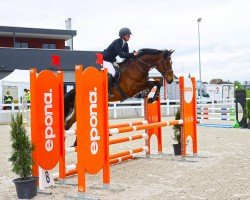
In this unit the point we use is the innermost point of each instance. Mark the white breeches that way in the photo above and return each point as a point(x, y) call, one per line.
point(109, 66)
point(119, 59)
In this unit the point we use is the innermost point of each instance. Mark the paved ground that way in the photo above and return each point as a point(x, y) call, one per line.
point(222, 170)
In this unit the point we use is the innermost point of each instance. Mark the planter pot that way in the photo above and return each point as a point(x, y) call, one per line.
point(177, 149)
point(26, 188)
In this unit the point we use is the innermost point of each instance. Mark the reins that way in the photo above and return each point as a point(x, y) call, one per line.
point(151, 66)
point(148, 66)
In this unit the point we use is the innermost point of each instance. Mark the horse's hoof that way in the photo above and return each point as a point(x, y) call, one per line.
point(143, 95)
point(150, 100)
point(74, 145)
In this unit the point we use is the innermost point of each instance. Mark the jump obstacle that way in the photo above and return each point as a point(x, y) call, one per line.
point(47, 124)
point(211, 113)
point(226, 114)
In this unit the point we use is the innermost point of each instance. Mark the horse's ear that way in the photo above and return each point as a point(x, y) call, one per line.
point(171, 51)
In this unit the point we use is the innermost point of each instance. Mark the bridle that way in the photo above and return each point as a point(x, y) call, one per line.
point(154, 65)
point(165, 71)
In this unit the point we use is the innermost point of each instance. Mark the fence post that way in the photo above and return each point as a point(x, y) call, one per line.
point(168, 108)
point(115, 111)
point(212, 105)
point(142, 108)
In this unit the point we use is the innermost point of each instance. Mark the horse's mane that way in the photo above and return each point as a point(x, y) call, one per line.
point(148, 51)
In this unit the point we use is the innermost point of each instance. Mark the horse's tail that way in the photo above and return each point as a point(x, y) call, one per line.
point(69, 99)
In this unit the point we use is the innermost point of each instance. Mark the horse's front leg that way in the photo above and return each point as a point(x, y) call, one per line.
point(151, 85)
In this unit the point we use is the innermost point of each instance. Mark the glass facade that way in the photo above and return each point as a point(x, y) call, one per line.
point(21, 45)
point(49, 46)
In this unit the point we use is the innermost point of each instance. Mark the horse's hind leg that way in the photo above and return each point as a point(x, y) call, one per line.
point(69, 123)
point(70, 120)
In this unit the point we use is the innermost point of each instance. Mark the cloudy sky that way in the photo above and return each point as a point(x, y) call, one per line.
point(161, 24)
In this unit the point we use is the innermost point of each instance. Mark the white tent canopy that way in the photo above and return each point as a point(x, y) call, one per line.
point(19, 79)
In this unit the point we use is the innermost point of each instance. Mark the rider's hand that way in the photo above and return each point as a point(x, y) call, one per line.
point(135, 53)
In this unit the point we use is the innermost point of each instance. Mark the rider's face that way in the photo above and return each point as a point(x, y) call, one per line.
point(126, 37)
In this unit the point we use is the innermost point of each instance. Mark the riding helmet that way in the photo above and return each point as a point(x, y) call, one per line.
point(124, 31)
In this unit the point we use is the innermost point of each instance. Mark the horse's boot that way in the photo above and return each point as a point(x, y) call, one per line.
point(110, 83)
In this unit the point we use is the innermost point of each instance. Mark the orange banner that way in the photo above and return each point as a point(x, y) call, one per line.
point(90, 131)
point(92, 124)
point(188, 113)
point(47, 119)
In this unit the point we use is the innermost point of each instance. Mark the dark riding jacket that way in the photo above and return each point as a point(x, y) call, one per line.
point(117, 48)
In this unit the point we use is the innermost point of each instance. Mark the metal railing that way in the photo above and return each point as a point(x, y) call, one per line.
point(13, 107)
point(114, 107)
point(139, 104)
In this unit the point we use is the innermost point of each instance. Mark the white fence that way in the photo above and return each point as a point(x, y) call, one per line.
point(6, 110)
point(126, 109)
point(134, 108)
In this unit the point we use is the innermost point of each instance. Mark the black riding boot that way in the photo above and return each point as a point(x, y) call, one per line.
point(110, 83)
point(117, 76)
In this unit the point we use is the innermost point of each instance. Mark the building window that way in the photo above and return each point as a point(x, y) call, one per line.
point(21, 45)
point(49, 46)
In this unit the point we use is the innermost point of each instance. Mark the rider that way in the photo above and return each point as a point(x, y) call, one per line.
point(26, 97)
point(8, 99)
point(117, 50)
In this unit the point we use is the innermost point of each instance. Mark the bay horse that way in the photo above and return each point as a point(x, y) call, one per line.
point(134, 74)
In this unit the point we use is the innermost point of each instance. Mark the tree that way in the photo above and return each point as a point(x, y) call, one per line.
point(22, 148)
point(238, 85)
point(219, 81)
point(216, 81)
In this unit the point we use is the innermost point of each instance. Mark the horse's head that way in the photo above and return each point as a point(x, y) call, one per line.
point(164, 66)
point(161, 60)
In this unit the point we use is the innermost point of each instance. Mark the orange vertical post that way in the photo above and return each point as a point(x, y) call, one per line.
point(106, 166)
point(79, 133)
point(152, 113)
point(188, 113)
point(92, 125)
point(33, 118)
point(46, 118)
point(182, 114)
point(195, 142)
point(62, 161)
